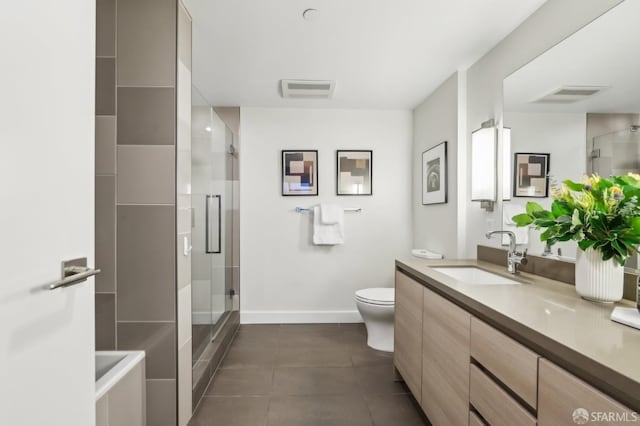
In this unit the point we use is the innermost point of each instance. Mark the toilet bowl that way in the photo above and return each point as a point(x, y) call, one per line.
point(376, 306)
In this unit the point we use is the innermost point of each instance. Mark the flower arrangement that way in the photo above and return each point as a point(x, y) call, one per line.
point(600, 213)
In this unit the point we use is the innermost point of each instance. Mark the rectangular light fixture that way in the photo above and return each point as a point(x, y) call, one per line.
point(507, 166)
point(483, 165)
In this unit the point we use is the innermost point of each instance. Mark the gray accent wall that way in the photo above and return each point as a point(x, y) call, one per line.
point(136, 201)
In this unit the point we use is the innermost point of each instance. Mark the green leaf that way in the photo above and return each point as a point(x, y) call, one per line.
point(533, 207)
point(575, 218)
point(573, 185)
point(585, 244)
point(522, 220)
point(543, 214)
point(560, 208)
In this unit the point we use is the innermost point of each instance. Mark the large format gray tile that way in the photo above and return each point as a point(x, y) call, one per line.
point(334, 410)
point(231, 411)
point(314, 356)
point(394, 410)
point(105, 145)
point(253, 357)
point(158, 340)
point(105, 233)
point(146, 116)
point(105, 86)
point(161, 403)
point(105, 27)
point(105, 322)
point(146, 42)
point(314, 381)
point(146, 175)
point(241, 382)
point(146, 263)
point(378, 380)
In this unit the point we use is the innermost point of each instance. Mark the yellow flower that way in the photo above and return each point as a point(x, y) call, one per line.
point(585, 200)
point(560, 192)
point(592, 181)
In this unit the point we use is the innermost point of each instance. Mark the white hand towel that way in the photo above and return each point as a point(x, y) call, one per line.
point(327, 234)
point(522, 233)
point(330, 214)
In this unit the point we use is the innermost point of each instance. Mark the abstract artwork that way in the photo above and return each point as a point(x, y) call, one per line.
point(300, 172)
point(355, 172)
point(531, 175)
point(434, 175)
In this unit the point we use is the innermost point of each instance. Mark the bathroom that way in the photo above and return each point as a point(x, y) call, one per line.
point(198, 290)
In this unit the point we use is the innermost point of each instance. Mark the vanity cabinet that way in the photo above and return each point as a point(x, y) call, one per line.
point(561, 393)
point(445, 360)
point(510, 362)
point(407, 355)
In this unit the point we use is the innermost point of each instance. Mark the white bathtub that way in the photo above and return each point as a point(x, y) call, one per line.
point(120, 388)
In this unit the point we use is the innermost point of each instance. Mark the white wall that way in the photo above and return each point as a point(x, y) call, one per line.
point(561, 135)
point(553, 22)
point(435, 227)
point(284, 278)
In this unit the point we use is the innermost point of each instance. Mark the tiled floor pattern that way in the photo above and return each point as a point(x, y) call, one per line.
point(306, 375)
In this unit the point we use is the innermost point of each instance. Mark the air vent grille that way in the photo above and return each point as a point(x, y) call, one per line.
point(570, 94)
point(322, 89)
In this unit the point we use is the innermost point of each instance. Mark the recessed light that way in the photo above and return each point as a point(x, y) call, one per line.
point(310, 15)
point(208, 129)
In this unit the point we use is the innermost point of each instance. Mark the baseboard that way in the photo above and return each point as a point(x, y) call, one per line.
point(299, 317)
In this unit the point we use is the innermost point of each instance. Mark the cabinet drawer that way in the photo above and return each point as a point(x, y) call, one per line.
point(494, 404)
point(561, 393)
point(513, 364)
point(474, 420)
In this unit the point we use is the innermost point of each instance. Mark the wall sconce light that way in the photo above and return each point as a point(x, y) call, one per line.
point(483, 165)
point(507, 174)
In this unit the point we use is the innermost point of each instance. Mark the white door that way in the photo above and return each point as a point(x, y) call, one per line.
point(46, 211)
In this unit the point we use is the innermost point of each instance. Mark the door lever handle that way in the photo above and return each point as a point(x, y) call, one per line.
point(74, 271)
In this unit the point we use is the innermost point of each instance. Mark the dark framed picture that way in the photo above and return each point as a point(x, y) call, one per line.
point(434, 175)
point(355, 172)
point(531, 175)
point(300, 172)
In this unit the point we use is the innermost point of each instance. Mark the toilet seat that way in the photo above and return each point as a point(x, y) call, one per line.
point(376, 296)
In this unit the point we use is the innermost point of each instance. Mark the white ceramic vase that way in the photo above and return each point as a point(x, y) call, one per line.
point(596, 279)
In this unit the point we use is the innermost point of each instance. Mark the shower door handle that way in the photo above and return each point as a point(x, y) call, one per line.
point(213, 223)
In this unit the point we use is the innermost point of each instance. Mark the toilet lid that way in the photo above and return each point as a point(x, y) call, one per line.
point(376, 296)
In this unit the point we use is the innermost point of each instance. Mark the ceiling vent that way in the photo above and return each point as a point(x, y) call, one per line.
point(570, 94)
point(309, 89)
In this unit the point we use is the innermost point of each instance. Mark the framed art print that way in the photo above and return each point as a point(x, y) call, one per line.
point(434, 175)
point(300, 172)
point(355, 172)
point(531, 176)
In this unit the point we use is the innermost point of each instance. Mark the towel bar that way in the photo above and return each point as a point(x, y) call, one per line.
point(346, 209)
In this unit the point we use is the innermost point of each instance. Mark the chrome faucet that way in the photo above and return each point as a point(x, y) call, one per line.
point(514, 258)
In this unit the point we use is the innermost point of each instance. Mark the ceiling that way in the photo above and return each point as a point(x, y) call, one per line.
point(604, 53)
point(382, 54)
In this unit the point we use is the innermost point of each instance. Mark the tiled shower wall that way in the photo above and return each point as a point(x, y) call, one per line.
point(136, 153)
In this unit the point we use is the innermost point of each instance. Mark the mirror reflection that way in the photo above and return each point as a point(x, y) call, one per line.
point(577, 106)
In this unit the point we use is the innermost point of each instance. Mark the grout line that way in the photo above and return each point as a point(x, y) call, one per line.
point(143, 87)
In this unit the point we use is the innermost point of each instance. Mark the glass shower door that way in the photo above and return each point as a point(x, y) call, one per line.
point(212, 226)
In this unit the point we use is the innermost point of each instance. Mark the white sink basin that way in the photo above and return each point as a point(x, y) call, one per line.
point(471, 275)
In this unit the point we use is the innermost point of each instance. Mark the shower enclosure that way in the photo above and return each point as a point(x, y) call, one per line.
point(214, 255)
point(617, 153)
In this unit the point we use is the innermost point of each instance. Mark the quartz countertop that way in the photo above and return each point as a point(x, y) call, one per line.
point(550, 318)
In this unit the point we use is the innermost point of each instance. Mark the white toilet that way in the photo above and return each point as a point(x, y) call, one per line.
point(376, 306)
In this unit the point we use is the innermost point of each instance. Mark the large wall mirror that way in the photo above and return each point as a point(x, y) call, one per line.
point(579, 102)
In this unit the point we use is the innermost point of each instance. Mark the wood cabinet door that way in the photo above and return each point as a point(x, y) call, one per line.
point(445, 361)
point(408, 332)
point(565, 399)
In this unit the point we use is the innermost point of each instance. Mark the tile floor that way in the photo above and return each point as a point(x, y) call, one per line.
point(304, 375)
